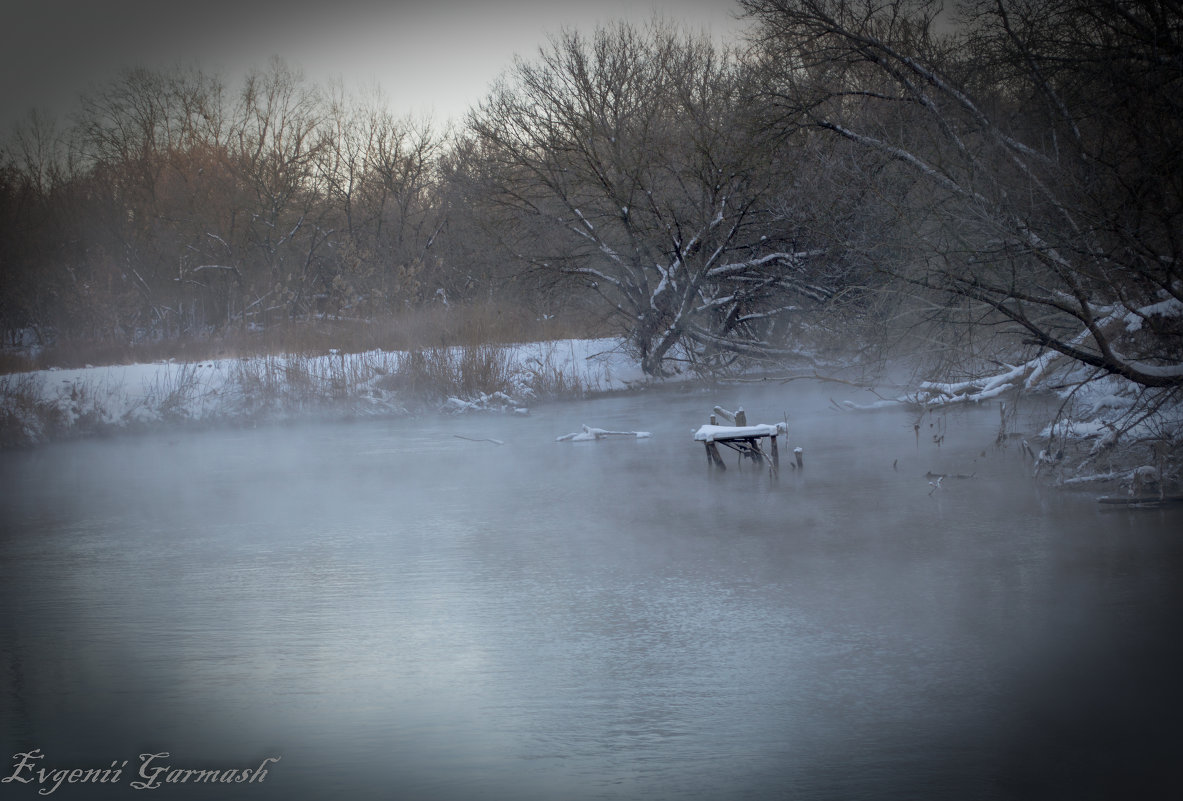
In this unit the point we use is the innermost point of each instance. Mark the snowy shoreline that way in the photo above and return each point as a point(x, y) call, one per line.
point(54, 404)
point(1078, 449)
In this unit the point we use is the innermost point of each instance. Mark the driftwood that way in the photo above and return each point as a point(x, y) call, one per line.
point(589, 434)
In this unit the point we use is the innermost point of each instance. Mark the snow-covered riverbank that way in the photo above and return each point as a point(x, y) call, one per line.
point(54, 404)
point(1104, 433)
point(1097, 436)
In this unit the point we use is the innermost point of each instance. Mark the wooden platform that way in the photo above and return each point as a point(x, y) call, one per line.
point(743, 438)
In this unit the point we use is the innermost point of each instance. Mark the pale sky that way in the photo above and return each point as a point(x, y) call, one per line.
point(435, 57)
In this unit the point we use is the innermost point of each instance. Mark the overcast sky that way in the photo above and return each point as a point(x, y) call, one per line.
point(433, 57)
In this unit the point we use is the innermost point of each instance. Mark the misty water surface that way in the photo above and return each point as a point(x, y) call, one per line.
point(399, 613)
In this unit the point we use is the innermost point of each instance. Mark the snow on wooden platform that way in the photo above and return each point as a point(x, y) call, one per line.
point(713, 433)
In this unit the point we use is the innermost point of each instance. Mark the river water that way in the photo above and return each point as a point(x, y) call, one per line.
point(395, 612)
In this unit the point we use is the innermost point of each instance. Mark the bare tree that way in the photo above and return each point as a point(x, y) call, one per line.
point(380, 175)
point(624, 161)
point(1040, 139)
point(138, 144)
point(40, 150)
point(275, 141)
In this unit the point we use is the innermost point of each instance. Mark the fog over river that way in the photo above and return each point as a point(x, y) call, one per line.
point(396, 612)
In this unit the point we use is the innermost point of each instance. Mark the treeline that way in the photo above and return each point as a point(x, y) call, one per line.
point(997, 178)
point(172, 208)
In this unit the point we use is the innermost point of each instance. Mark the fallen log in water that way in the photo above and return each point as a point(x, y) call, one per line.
point(1145, 501)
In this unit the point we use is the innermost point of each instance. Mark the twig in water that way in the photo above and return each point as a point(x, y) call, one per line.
point(481, 439)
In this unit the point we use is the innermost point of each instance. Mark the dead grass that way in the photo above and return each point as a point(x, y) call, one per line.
point(173, 392)
point(293, 383)
point(25, 417)
point(547, 378)
point(441, 373)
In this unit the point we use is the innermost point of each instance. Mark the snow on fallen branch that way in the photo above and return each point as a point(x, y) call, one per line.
point(1029, 374)
point(496, 402)
point(931, 394)
point(589, 434)
point(886, 403)
point(1117, 475)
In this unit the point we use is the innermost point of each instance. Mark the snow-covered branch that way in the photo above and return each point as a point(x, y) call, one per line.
point(794, 260)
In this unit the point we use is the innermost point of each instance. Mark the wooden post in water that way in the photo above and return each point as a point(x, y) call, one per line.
point(775, 458)
point(713, 456)
point(741, 419)
point(797, 453)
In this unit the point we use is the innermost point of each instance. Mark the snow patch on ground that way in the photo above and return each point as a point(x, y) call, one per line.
point(48, 404)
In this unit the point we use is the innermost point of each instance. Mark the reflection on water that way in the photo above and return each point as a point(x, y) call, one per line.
point(397, 612)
